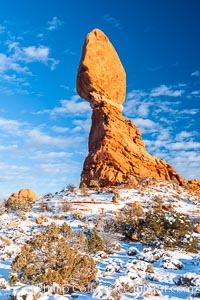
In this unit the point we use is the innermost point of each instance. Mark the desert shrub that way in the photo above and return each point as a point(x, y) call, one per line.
point(4, 241)
point(110, 241)
point(2, 207)
point(158, 201)
point(54, 256)
point(125, 222)
point(84, 190)
point(171, 229)
point(43, 206)
point(115, 199)
point(66, 206)
point(21, 214)
point(71, 188)
point(187, 279)
point(22, 204)
point(95, 241)
point(79, 216)
point(94, 184)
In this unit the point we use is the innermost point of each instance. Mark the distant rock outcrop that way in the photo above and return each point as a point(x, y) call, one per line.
point(22, 197)
point(117, 153)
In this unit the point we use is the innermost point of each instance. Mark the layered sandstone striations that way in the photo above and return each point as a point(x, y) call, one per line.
point(117, 153)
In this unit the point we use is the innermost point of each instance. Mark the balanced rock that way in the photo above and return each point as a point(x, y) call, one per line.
point(101, 76)
point(116, 150)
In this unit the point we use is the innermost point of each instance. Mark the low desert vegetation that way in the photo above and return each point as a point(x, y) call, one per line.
point(21, 204)
point(71, 188)
point(84, 190)
point(170, 229)
point(55, 256)
point(124, 247)
point(95, 241)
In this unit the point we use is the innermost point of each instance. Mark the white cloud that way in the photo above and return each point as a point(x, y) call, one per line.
point(54, 24)
point(65, 87)
point(18, 57)
point(185, 135)
point(143, 110)
point(40, 35)
point(41, 138)
point(187, 163)
point(73, 106)
point(82, 125)
point(36, 54)
point(137, 103)
point(54, 63)
point(154, 145)
point(196, 73)
point(60, 129)
point(9, 64)
point(164, 90)
point(33, 53)
point(146, 125)
point(136, 95)
point(111, 20)
point(2, 29)
point(50, 156)
point(193, 111)
point(196, 93)
point(13, 167)
point(186, 145)
point(11, 126)
point(69, 51)
point(8, 147)
point(12, 46)
point(37, 137)
point(164, 134)
point(142, 102)
point(54, 168)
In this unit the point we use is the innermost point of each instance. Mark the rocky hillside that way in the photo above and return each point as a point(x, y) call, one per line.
point(127, 243)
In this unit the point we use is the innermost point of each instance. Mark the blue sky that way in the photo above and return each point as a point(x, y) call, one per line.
point(44, 125)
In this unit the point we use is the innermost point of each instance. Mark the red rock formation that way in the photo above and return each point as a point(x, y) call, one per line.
point(101, 75)
point(22, 197)
point(195, 185)
point(116, 150)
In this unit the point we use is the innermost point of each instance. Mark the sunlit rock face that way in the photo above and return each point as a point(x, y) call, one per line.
point(116, 150)
point(23, 197)
point(101, 77)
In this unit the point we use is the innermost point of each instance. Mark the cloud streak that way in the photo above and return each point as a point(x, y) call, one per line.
point(17, 59)
point(112, 21)
point(196, 73)
point(74, 106)
point(54, 24)
point(159, 113)
point(164, 90)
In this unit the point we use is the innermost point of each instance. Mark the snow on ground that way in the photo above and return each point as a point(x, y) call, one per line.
point(143, 272)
